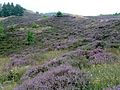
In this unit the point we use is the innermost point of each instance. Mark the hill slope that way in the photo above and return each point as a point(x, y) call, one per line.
point(87, 48)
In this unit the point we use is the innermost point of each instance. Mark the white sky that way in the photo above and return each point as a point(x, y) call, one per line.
point(80, 7)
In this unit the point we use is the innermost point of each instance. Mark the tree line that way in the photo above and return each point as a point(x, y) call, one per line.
point(10, 9)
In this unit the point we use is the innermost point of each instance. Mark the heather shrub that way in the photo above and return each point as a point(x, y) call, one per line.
point(84, 59)
point(99, 56)
point(79, 58)
point(113, 88)
point(94, 45)
point(74, 58)
point(34, 71)
point(18, 63)
point(63, 77)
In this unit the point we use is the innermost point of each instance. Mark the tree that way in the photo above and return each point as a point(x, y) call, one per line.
point(4, 10)
point(0, 9)
point(59, 14)
point(18, 10)
point(9, 9)
point(12, 9)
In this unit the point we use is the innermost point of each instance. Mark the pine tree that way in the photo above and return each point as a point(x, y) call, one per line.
point(4, 10)
point(0, 10)
point(12, 9)
point(18, 10)
point(9, 9)
point(0, 7)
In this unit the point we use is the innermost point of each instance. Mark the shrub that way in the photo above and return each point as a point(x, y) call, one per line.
point(2, 33)
point(30, 37)
point(59, 14)
point(63, 77)
point(34, 25)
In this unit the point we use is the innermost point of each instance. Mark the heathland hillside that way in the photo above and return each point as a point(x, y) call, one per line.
point(67, 52)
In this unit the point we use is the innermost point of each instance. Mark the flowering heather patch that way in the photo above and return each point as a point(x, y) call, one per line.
point(17, 63)
point(95, 51)
point(78, 58)
point(94, 44)
point(63, 77)
point(95, 56)
point(34, 71)
point(98, 56)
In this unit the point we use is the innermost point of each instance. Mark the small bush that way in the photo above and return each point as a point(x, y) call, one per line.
point(34, 25)
point(30, 37)
point(59, 14)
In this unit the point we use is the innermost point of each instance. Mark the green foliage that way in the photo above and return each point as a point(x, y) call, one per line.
point(2, 33)
point(45, 17)
point(0, 9)
point(59, 14)
point(9, 79)
point(115, 51)
point(116, 14)
point(13, 75)
point(34, 25)
point(30, 37)
point(42, 57)
point(9, 9)
point(18, 11)
point(103, 76)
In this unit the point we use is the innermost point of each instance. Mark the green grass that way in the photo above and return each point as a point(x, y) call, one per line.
point(8, 86)
point(3, 61)
point(115, 51)
point(45, 17)
point(15, 39)
point(103, 76)
point(49, 55)
point(34, 25)
point(8, 80)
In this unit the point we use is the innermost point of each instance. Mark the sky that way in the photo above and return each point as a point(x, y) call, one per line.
point(79, 7)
